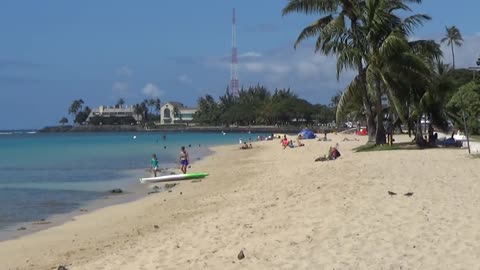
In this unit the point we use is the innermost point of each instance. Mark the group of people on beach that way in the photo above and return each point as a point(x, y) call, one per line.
point(333, 151)
point(289, 143)
point(183, 160)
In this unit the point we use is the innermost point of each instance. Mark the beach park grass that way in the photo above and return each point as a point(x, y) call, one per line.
point(475, 137)
point(386, 147)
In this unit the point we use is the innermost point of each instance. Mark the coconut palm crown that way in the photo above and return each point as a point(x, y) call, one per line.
point(453, 37)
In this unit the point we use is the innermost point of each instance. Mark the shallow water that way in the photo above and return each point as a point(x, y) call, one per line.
point(43, 174)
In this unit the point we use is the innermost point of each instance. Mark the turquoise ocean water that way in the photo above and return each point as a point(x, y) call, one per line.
point(44, 174)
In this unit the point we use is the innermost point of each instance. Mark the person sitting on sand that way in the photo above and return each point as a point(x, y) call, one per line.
point(290, 144)
point(300, 143)
point(334, 153)
point(284, 142)
point(245, 146)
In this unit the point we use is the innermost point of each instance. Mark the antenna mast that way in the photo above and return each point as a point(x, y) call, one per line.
point(233, 65)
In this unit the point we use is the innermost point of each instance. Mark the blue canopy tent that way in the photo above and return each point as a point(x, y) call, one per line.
point(307, 134)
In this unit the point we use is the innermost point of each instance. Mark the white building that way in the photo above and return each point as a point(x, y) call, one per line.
point(176, 113)
point(117, 111)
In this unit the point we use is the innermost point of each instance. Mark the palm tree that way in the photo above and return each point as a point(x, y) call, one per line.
point(334, 14)
point(332, 24)
point(453, 37)
point(75, 107)
point(333, 37)
point(63, 121)
point(138, 110)
point(158, 107)
point(120, 102)
point(389, 56)
point(380, 42)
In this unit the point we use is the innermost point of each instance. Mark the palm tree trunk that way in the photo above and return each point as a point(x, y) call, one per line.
point(418, 134)
point(380, 130)
point(370, 117)
point(453, 56)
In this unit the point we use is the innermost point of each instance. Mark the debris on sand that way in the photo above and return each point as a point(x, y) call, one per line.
point(240, 255)
point(41, 222)
point(170, 185)
point(116, 190)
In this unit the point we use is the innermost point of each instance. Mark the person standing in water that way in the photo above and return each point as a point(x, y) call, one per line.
point(154, 165)
point(183, 159)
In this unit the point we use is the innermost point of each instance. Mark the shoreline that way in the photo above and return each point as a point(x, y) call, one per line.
point(131, 191)
point(283, 210)
point(180, 128)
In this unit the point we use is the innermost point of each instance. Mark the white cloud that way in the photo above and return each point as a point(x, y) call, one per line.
point(184, 78)
point(250, 54)
point(120, 87)
point(307, 68)
point(125, 71)
point(279, 68)
point(254, 67)
point(312, 76)
point(151, 90)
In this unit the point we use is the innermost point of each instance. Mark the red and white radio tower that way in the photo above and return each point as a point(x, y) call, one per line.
point(233, 66)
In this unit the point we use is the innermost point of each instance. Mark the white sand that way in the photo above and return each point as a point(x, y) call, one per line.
point(286, 212)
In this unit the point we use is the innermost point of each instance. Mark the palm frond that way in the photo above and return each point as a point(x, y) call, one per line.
point(394, 44)
point(310, 6)
point(410, 23)
point(348, 59)
point(313, 29)
point(427, 48)
point(392, 96)
point(347, 95)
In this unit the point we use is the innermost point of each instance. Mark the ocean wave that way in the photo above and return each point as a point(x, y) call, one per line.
point(17, 132)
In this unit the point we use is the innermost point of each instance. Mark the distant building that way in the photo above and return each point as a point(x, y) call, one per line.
point(117, 111)
point(176, 113)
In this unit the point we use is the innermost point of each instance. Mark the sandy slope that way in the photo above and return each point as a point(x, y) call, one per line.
point(286, 212)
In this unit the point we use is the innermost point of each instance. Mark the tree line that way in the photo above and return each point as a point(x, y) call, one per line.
point(257, 105)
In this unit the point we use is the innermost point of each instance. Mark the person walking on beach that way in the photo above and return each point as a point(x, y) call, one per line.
point(154, 165)
point(183, 159)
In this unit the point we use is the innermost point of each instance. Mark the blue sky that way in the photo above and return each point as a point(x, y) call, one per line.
point(53, 52)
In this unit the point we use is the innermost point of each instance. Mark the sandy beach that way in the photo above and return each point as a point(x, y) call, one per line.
point(284, 211)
